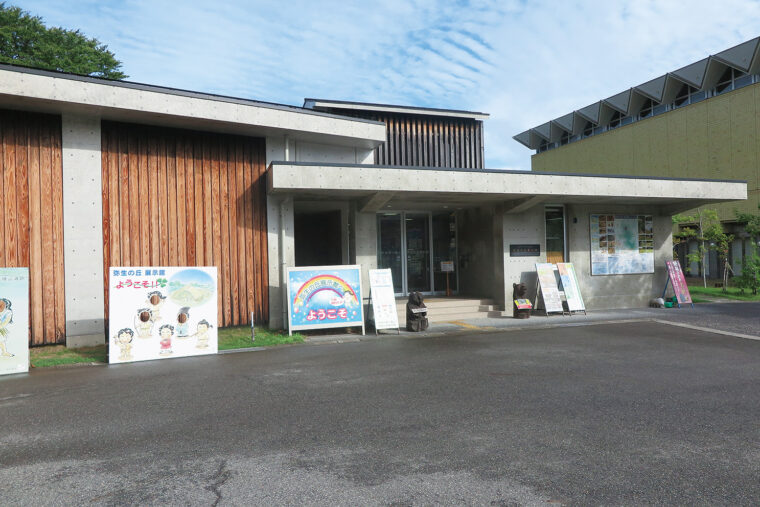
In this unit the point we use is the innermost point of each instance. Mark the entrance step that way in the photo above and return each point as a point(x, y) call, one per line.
point(442, 309)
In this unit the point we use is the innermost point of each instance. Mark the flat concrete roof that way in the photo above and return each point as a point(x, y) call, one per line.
point(323, 104)
point(431, 188)
point(58, 92)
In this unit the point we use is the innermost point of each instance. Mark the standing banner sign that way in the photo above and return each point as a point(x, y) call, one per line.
point(383, 299)
point(321, 297)
point(571, 287)
point(161, 312)
point(547, 285)
point(14, 320)
point(675, 276)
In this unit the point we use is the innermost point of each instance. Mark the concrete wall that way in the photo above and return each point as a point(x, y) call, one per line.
point(82, 230)
point(527, 227)
point(715, 138)
point(363, 244)
point(616, 291)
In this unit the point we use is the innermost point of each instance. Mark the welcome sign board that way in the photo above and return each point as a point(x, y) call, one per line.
point(548, 286)
point(14, 320)
point(570, 286)
point(161, 313)
point(322, 297)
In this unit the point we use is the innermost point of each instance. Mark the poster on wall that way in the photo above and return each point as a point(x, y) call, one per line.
point(570, 286)
point(14, 320)
point(548, 287)
point(383, 299)
point(676, 277)
point(622, 244)
point(322, 297)
point(161, 313)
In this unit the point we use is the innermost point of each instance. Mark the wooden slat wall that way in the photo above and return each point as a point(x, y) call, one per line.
point(430, 141)
point(183, 198)
point(31, 203)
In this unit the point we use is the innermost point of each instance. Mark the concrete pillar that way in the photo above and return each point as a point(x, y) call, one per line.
point(364, 244)
point(281, 249)
point(500, 250)
point(83, 230)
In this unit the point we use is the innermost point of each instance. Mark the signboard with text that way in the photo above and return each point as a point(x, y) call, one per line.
point(14, 320)
point(570, 286)
point(161, 313)
point(321, 297)
point(384, 311)
point(548, 285)
point(675, 274)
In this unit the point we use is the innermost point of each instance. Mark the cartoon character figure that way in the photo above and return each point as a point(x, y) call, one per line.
point(183, 322)
point(6, 319)
point(202, 334)
point(155, 301)
point(124, 340)
point(144, 322)
point(166, 331)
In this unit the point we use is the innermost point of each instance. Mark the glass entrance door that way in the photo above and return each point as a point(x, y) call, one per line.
point(417, 226)
point(404, 246)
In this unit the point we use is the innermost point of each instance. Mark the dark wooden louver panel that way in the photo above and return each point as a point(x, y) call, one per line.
point(182, 198)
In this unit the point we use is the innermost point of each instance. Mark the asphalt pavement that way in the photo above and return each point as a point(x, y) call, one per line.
point(628, 413)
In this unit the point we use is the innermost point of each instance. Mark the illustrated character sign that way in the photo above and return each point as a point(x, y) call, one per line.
point(124, 341)
point(6, 319)
point(144, 322)
point(183, 322)
point(155, 301)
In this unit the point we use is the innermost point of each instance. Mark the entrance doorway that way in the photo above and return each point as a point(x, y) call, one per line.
point(318, 238)
point(413, 245)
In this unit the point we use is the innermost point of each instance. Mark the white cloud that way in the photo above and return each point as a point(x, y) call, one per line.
point(523, 62)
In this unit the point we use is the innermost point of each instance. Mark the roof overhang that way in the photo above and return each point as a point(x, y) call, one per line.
point(378, 187)
point(58, 93)
point(322, 105)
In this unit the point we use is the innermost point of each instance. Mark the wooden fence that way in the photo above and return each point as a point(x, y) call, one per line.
point(31, 203)
point(182, 198)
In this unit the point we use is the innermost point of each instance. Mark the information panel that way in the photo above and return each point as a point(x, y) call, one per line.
point(161, 313)
point(675, 273)
point(549, 290)
point(325, 297)
point(571, 287)
point(14, 320)
point(621, 244)
point(383, 299)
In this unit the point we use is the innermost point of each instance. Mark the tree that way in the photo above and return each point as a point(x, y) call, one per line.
point(25, 40)
point(710, 236)
point(750, 277)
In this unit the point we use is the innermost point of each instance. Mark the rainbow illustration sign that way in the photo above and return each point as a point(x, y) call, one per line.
point(324, 297)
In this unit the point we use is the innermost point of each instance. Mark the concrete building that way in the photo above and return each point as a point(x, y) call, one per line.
point(100, 173)
point(699, 121)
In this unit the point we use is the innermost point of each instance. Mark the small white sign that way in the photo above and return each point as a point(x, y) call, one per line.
point(161, 312)
point(383, 299)
point(549, 289)
point(570, 286)
point(447, 266)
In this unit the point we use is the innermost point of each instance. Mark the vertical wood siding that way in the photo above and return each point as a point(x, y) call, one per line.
point(182, 198)
point(431, 141)
point(31, 203)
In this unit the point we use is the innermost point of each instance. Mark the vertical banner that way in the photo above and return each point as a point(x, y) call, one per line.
point(321, 297)
point(383, 299)
point(14, 320)
point(161, 312)
point(549, 290)
point(570, 286)
point(683, 296)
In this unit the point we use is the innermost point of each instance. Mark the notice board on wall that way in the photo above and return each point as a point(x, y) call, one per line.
point(570, 286)
point(621, 244)
point(14, 320)
point(383, 298)
point(322, 297)
point(161, 312)
point(548, 287)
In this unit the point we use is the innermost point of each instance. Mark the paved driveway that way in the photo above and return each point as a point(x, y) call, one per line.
point(610, 413)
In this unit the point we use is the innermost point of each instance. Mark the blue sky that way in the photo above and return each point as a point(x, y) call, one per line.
point(524, 62)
